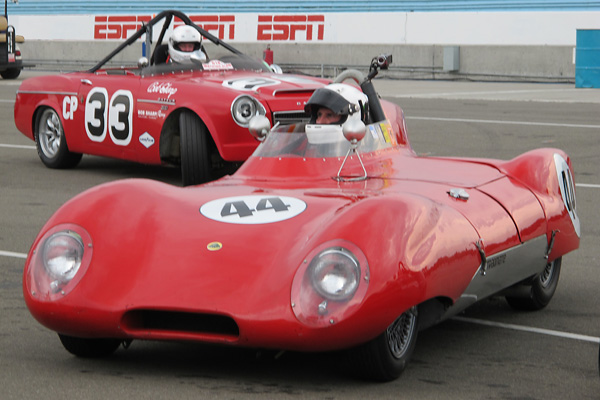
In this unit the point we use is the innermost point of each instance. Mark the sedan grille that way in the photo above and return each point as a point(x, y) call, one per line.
point(290, 117)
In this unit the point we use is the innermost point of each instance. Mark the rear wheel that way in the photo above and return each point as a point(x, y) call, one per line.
point(51, 143)
point(11, 73)
point(538, 293)
point(385, 357)
point(194, 147)
point(89, 348)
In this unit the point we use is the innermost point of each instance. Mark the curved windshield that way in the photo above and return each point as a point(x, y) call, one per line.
point(318, 141)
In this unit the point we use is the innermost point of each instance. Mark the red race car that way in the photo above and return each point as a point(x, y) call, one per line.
point(329, 237)
point(193, 112)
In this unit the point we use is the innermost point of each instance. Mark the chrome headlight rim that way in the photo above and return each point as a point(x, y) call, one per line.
point(314, 309)
point(335, 273)
point(62, 254)
point(244, 107)
point(43, 280)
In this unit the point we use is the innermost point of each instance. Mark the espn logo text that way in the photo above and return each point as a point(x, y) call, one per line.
point(222, 26)
point(290, 27)
point(118, 26)
point(121, 27)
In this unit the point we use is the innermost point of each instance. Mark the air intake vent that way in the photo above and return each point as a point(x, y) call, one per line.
point(174, 321)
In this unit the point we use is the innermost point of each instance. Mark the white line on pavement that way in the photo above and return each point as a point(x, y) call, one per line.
point(549, 332)
point(17, 146)
point(491, 121)
point(12, 254)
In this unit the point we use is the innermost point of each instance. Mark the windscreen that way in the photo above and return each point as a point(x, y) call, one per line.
point(318, 141)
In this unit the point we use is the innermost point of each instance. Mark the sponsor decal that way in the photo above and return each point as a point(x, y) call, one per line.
point(567, 190)
point(214, 246)
point(216, 65)
point(373, 132)
point(146, 140)
point(290, 27)
point(162, 88)
point(387, 133)
point(151, 114)
point(253, 210)
point(118, 26)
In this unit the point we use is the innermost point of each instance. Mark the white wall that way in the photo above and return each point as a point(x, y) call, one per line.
point(441, 28)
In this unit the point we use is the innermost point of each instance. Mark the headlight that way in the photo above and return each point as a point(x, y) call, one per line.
point(335, 274)
point(58, 262)
point(62, 254)
point(330, 284)
point(245, 107)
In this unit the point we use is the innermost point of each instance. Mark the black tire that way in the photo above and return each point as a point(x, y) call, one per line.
point(89, 348)
point(11, 73)
point(195, 152)
point(384, 358)
point(539, 292)
point(51, 143)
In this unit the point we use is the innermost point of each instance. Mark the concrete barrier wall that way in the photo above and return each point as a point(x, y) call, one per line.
point(513, 63)
point(534, 46)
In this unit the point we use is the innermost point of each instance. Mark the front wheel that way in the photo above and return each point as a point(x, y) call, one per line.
point(51, 143)
point(537, 294)
point(89, 348)
point(194, 147)
point(385, 357)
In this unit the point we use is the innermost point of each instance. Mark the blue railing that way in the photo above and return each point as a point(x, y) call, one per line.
point(64, 7)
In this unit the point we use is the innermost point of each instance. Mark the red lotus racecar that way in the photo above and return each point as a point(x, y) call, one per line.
point(194, 115)
point(323, 240)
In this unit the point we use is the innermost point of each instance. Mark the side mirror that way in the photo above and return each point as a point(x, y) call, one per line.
point(259, 127)
point(354, 131)
point(143, 62)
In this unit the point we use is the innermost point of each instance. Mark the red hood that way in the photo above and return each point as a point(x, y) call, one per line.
point(265, 83)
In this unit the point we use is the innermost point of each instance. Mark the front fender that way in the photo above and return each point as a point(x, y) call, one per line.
point(234, 142)
point(416, 249)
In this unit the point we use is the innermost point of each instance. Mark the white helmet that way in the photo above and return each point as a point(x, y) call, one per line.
point(185, 34)
point(345, 100)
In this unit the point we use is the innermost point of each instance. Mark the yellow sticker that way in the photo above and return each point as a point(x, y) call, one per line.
point(214, 246)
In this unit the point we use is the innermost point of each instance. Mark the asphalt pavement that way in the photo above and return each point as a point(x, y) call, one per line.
point(499, 91)
point(490, 352)
point(455, 89)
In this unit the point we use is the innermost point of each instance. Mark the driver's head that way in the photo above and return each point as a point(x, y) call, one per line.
point(184, 41)
point(335, 103)
point(330, 107)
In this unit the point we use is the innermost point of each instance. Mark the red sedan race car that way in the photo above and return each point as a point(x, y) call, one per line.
point(329, 237)
point(193, 114)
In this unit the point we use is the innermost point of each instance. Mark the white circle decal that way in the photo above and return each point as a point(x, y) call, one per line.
point(253, 209)
point(567, 190)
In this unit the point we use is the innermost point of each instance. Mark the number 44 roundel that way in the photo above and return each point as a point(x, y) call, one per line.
point(253, 209)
